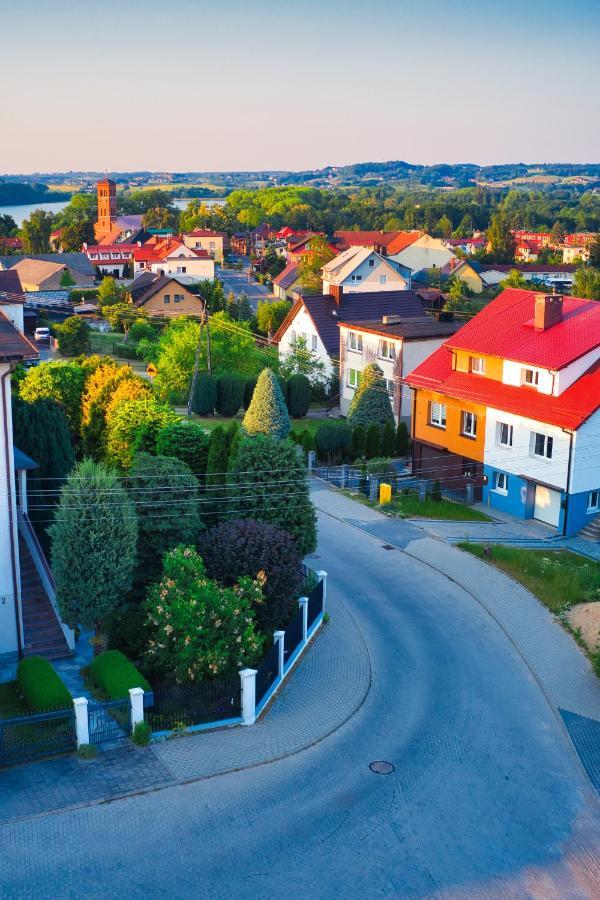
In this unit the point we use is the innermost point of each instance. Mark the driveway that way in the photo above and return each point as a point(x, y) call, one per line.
point(488, 798)
point(243, 283)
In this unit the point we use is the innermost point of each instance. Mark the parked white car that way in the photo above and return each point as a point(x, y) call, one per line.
point(41, 335)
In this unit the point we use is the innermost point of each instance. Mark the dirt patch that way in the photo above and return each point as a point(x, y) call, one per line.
point(586, 617)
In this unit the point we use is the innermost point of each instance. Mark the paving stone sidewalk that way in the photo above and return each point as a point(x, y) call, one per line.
point(326, 687)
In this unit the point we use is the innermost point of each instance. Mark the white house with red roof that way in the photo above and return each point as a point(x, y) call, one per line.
point(171, 257)
point(511, 402)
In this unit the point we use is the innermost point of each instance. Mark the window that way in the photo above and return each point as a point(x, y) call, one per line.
point(593, 500)
point(197, 244)
point(437, 415)
point(469, 424)
point(166, 298)
point(293, 335)
point(387, 350)
point(505, 434)
point(391, 387)
point(356, 278)
point(501, 482)
point(383, 279)
point(313, 342)
point(543, 445)
point(477, 365)
point(355, 341)
point(353, 378)
point(371, 263)
point(530, 377)
point(177, 298)
point(211, 245)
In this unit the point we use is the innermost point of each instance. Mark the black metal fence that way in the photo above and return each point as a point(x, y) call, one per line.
point(315, 603)
point(267, 672)
point(109, 721)
point(178, 706)
point(28, 738)
point(294, 634)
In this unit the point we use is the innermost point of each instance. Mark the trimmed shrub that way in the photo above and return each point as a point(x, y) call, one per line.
point(186, 441)
point(41, 686)
point(359, 442)
point(382, 467)
point(205, 395)
point(141, 734)
point(373, 441)
point(114, 675)
point(230, 394)
point(214, 503)
point(402, 439)
point(267, 413)
point(333, 441)
point(436, 493)
point(248, 391)
point(371, 402)
point(298, 396)
point(73, 336)
point(308, 441)
point(247, 547)
point(388, 440)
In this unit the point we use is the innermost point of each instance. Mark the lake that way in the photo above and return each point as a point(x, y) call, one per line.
point(21, 212)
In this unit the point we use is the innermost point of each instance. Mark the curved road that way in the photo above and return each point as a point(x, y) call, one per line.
point(487, 798)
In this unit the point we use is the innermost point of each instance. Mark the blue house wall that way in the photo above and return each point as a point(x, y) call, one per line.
point(577, 513)
point(520, 501)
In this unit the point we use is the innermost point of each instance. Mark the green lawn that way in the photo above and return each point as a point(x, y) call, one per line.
point(11, 703)
point(410, 507)
point(555, 577)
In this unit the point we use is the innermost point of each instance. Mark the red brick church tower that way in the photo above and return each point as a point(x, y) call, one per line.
point(107, 208)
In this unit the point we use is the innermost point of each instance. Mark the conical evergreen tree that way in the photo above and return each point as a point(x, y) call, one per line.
point(267, 413)
point(214, 503)
point(371, 402)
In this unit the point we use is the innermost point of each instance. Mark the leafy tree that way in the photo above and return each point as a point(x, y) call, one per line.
point(388, 440)
point(205, 394)
point(120, 316)
point(110, 292)
point(75, 234)
point(299, 394)
point(443, 227)
point(373, 441)
point(359, 442)
point(8, 226)
point(187, 442)
point(141, 330)
point(161, 217)
point(516, 279)
point(268, 482)
point(270, 315)
point(94, 538)
point(247, 547)
point(214, 505)
point(166, 495)
point(73, 336)
point(311, 263)
point(60, 381)
point(101, 386)
point(35, 232)
point(299, 360)
point(502, 245)
point(594, 252)
point(371, 402)
point(200, 629)
point(334, 440)
point(586, 283)
point(402, 439)
point(124, 421)
point(230, 394)
point(267, 413)
point(66, 279)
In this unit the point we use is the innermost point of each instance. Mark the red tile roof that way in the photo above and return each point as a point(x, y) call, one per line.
point(569, 410)
point(393, 241)
point(504, 328)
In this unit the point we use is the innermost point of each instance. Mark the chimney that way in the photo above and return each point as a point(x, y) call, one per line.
point(548, 311)
point(391, 320)
point(337, 292)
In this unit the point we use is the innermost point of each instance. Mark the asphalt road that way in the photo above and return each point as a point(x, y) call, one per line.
point(487, 798)
point(243, 283)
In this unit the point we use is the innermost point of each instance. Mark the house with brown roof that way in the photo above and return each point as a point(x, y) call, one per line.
point(165, 296)
point(43, 275)
point(360, 270)
point(287, 281)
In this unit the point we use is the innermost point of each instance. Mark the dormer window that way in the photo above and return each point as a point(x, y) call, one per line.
point(477, 365)
point(530, 377)
point(371, 263)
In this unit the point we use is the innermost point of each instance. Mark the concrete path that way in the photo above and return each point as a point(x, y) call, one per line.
point(487, 800)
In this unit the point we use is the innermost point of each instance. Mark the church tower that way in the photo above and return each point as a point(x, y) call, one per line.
point(107, 207)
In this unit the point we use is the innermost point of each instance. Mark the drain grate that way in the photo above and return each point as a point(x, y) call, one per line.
point(387, 547)
point(382, 767)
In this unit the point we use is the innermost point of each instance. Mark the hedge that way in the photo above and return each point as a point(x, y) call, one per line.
point(114, 674)
point(230, 394)
point(41, 686)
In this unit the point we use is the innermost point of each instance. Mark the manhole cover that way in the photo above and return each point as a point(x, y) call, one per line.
point(381, 767)
point(387, 547)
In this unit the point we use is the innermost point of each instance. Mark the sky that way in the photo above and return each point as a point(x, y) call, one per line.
point(238, 85)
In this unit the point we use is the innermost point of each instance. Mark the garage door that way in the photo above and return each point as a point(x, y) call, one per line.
point(547, 505)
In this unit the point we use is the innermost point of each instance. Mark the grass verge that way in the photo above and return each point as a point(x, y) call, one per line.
point(410, 507)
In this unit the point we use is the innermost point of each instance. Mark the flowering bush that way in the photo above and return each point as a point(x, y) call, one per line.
point(200, 629)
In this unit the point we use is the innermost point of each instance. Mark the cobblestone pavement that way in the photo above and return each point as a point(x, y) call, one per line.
point(487, 799)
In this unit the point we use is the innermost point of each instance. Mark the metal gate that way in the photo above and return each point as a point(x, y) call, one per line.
point(109, 721)
point(28, 738)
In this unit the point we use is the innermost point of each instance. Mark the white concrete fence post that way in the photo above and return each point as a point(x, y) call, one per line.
point(303, 604)
point(248, 679)
point(344, 476)
point(322, 576)
point(311, 456)
point(136, 698)
point(82, 728)
point(373, 487)
point(279, 636)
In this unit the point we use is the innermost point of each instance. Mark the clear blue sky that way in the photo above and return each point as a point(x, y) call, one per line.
point(192, 85)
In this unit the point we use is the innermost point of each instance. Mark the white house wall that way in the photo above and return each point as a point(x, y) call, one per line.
point(303, 326)
point(511, 374)
point(200, 269)
point(585, 475)
point(8, 628)
point(14, 312)
point(518, 459)
point(567, 376)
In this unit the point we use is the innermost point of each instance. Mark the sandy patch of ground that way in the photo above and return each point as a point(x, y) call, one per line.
point(586, 617)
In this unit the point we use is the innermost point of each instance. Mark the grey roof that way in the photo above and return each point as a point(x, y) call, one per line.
point(11, 290)
point(76, 261)
point(410, 329)
point(133, 222)
point(327, 315)
point(22, 461)
point(48, 298)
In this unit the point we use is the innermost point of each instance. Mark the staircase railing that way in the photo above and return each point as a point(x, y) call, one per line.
point(44, 571)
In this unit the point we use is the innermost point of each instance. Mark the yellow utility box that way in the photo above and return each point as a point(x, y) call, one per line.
point(385, 493)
